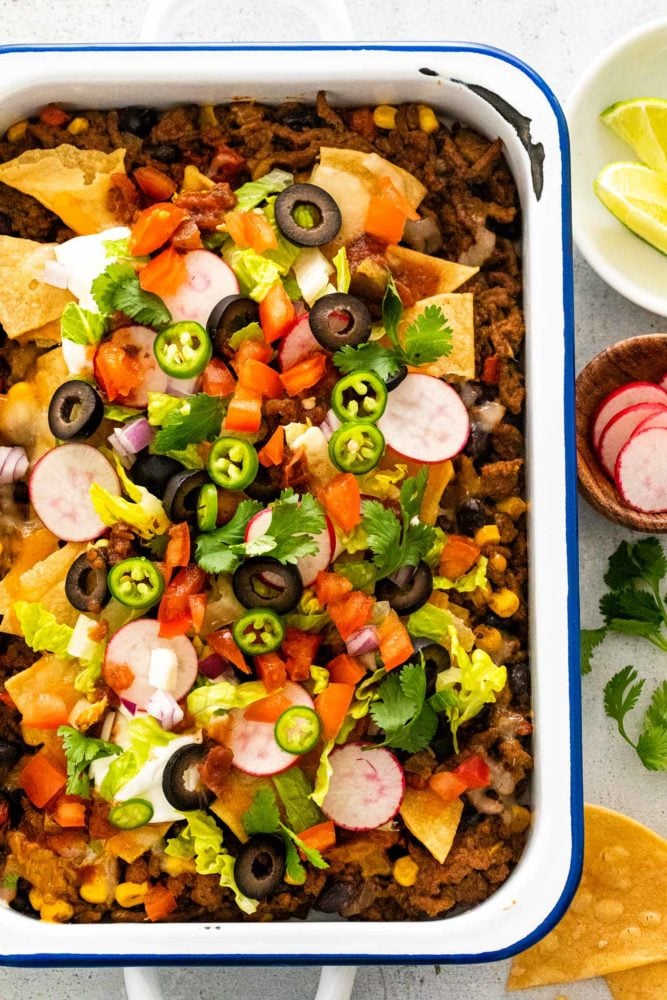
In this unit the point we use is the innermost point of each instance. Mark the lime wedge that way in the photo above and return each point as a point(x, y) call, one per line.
point(642, 123)
point(637, 196)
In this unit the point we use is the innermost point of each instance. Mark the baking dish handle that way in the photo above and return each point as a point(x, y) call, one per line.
point(336, 983)
point(331, 17)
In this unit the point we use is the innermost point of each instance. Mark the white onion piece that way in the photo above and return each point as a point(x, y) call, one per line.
point(126, 459)
point(469, 394)
point(79, 358)
point(55, 274)
point(481, 250)
point(364, 640)
point(13, 464)
point(164, 707)
point(183, 386)
point(107, 726)
point(488, 415)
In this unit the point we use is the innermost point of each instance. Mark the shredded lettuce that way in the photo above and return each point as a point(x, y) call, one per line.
point(142, 511)
point(189, 456)
point(309, 615)
point(320, 675)
point(323, 775)
point(41, 630)
point(295, 789)
point(252, 331)
point(121, 413)
point(383, 483)
point(354, 541)
point(255, 272)
point(439, 625)
point(474, 578)
point(82, 326)
point(160, 405)
point(286, 253)
point(342, 265)
point(254, 192)
point(432, 557)
point(86, 680)
point(463, 690)
point(201, 840)
point(216, 699)
point(365, 693)
point(144, 734)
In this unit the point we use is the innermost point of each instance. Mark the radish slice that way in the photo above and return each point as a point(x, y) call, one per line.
point(621, 428)
point(208, 280)
point(254, 744)
point(657, 420)
point(298, 344)
point(308, 566)
point(366, 789)
point(60, 490)
point(663, 382)
point(131, 647)
point(138, 342)
point(621, 399)
point(641, 471)
point(425, 420)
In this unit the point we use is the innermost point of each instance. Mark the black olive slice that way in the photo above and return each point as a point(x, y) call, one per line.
point(412, 595)
point(229, 316)
point(262, 487)
point(182, 492)
point(260, 866)
point(325, 213)
point(262, 582)
point(85, 586)
point(394, 381)
point(340, 320)
point(153, 472)
point(181, 782)
point(75, 411)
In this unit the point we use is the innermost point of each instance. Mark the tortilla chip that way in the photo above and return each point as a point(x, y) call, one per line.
point(458, 311)
point(240, 790)
point(649, 982)
point(44, 582)
point(49, 673)
point(27, 304)
point(73, 183)
point(24, 409)
point(431, 820)
point(425, 275)
point(351, 178)
point(617, 918)
point(131, 844)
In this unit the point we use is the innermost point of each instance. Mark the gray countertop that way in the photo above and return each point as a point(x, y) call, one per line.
point(559, 38)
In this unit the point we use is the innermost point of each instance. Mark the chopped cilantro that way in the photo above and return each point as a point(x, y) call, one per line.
point(81, 751)
point(401, 710)
point(118, 290)
point(397, 543)
point(263, 816)
point(197, 418)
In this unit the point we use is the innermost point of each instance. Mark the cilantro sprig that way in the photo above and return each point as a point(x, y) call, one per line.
point(428, 338)
point(197, 418)
point(263, 816)
point(402, 711)
point(81, 751)
point(393, 542)
point(117, 289)
point(295, 524)
point(621, 695)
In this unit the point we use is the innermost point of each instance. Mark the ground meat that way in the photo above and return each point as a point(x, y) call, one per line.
point(208, 208)
point(507, 442)
point(501, 479)
point(215, 769)
point(121, 545)
point(51, 874)
point(511, 390)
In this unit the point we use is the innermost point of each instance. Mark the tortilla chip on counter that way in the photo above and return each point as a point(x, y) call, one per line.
point(351, 178)
point(649, 982)
point(457, 309)
point(431, 820)
point(618, 917)
point(73, 183)
point(28, 306)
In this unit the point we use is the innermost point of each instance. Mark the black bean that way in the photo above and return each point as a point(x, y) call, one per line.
point(165, 153)
point(137, 120)
point(299, 117)
point(470, 516)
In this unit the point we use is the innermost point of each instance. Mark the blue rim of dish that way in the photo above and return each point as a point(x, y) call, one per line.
point(571, 535)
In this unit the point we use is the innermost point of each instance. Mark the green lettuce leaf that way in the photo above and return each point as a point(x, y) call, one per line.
point(252, 331)
point(286, 253)
point(41, 630)
point(82, 326)
point(383, 483)
point(120, 413)
point(216, 699)
point(323, 775)
point(438, 625)
point(160, 405)
point(252, 193)
point(144, 734)
point(474, 578)
point(255, 272)
point(342, 265)
point(295, 791)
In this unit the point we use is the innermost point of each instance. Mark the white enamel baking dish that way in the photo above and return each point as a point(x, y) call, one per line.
point(499, 96)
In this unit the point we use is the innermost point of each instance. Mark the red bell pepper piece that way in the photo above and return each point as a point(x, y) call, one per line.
point(159, 902)
point(217, 379)
point(351, 612)
point(342, 501)
point(42, 779)
point(222, 642)
point(474, 771)
point(331, 587)
point(395, 643)
point(257, 375)
point(300, 648)
point(271, 671)
point(331, 706)
point(178, 546)
point(165, 274)
point(304, 374)
point(276, 313)
point(447, 785)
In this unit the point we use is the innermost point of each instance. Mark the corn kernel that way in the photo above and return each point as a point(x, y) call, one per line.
point(78, 125)
point(194, 180)
point(427, 121)
point(489, 640)
point(520, 819)
point(504, 603)
point(16, 131)
point(57, 913)
point(207, 117)
point(177, 866)
point(405, 871)
point(488, 535)
point(498, 562)
point(384, 116)
point(96, 889)
point(36, 899)
point(130, 894)
point(514, 506)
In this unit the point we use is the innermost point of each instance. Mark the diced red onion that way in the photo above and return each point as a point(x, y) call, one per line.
point(135, 436)
point(55, 274)
point(488, 415)
point(13, 464)
point(164, 707)
point(364, 640)
point(469, 394)
point(212, 666)
point(126, 459)
point(182, 386)
point(330, 424)
point(129, 705)
point(402, 575)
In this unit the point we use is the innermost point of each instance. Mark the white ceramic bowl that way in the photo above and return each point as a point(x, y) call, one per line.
point(635, 66)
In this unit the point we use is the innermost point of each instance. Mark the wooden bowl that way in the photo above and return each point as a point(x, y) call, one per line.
point(638, 359)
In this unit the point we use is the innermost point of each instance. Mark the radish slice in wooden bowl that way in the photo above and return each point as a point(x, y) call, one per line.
point(620, 399)
point(620, 429)
point(641, 471)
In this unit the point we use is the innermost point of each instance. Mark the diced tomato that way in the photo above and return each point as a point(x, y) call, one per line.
point(42, 779)
point(273, 451)
point(189, 581)
point(320, 837)
point(271, 671)
point(154, 226)
point(395, 643)
point(304, 374)
point(332, 706)
point(187, 235)
point(155, 183)
point(197, 607)
point(159, 902)
point(459, 554)
point(474, 771)
point(174, 612)
point(217, 379)
point(251, 229)
point(251, 350)
point(345, 669)
point(166, 571)
point(491, 370)
point(69, 812)
point(391, 193)
point(351, 612)
point(117, 372)
point(384, 220)
point(178, 546)
point(256, 375)
point(46, 711)
point(300, 648)
point(276, 313)
point(178, 625)
point(227, 163)
point(447, 785)
point(268, 709)
point(244, 412)
point(165, 274)
point(342, 501)
point(222, 642)
point(54, 116)
point(331, 587)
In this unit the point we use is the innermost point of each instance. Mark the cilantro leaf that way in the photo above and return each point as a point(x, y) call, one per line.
point(392, 310)
point(293, 530)
point(118, 290)
point(621, 694)
point(197, 418)
point(428, 338)
point(397, 543)
point(633, 605)
point(81, 751)
point(370, 356)
point(643, 560)
point(383, 532)
point(590, 639)
point(295, 789)
point(412, 494)
point(402, 711)
point(263, 815)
